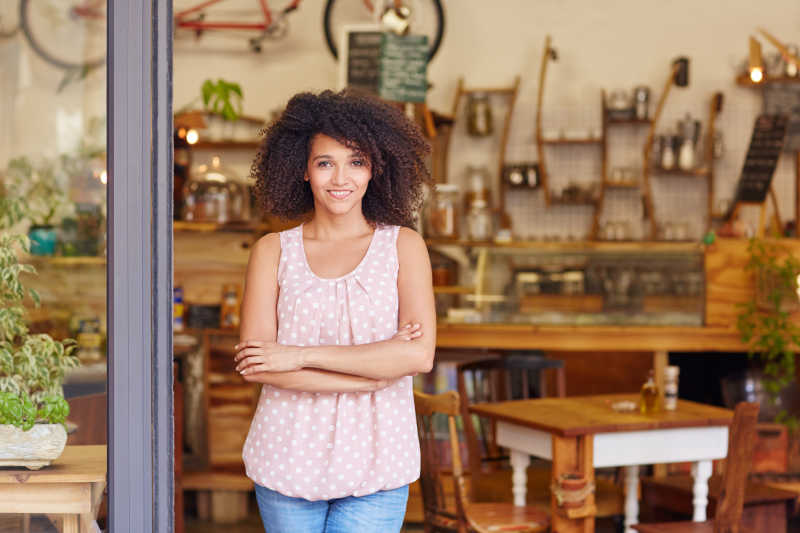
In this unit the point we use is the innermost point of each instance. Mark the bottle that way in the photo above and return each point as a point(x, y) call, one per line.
point(479, 221)
point(671, 387)
point(649, 401)
point(229, 312)
point(182, 161)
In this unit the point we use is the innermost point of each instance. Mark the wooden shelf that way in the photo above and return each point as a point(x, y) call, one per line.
point(677, 172)
point(246, 227)
point(452, 289)
point(621, 184)
point(558, 201)
point(226, 145)
point(743, 80)
point(631, 121)
point(65, 261)
point(588, 140)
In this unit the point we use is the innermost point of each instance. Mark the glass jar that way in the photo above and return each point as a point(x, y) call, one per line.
point(479, 115)
point(477, 178)
point(442, 213)
point(479, 221)
point(214, 193)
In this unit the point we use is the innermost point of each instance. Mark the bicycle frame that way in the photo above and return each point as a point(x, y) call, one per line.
point(181, 22)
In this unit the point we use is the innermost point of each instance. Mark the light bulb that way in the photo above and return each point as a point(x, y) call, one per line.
point(756, 75)
point(192, 136)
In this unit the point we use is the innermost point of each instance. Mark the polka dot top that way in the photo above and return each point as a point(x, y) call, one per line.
point(321, 446)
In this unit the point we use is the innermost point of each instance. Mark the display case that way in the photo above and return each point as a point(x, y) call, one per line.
point(571, 284)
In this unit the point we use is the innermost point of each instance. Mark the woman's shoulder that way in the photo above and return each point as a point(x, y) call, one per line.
point(267, 246)
point(409, 241)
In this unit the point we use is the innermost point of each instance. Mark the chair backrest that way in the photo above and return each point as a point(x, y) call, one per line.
point(90, 414)
point(435, 415)
point(737, 464)
point(517, 376)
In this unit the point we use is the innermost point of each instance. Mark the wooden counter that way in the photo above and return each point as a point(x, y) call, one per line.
point(589, 338)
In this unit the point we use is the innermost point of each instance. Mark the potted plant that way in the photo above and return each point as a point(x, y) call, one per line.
point(45, 197)
point(223, 101)
point(770, 328)
point(32, 366)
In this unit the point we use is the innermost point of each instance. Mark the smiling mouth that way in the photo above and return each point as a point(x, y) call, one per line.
point(339, 195)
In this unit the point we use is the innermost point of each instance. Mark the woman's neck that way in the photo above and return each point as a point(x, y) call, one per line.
point(325, 227)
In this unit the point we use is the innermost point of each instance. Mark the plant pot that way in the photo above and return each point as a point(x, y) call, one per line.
point(43, 240)
point(571, 490)
point(35, 448)
point(767, 283)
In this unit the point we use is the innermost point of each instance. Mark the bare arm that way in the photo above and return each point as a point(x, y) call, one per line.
point(406, 353)
point(308, 380)
point(259, 321)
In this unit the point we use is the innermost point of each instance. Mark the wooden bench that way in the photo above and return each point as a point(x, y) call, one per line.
point(221, 496)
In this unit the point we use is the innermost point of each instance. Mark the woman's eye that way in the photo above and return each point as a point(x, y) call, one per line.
point(359, 162)
point(324, 164)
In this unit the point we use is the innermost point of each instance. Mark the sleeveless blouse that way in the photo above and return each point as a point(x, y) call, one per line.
point(321, 446)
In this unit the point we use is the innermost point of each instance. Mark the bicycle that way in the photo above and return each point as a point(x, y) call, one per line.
point(71, 34)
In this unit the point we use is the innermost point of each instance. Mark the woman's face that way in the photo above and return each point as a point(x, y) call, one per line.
point(338, 175)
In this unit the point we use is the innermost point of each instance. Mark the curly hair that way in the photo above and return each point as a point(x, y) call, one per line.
point(393, 144)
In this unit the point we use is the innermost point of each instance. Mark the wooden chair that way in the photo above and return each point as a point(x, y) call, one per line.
point(459, 515)
point(731, 499)
point(514, 377)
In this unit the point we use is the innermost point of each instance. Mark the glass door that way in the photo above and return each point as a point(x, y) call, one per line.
point(85, 261)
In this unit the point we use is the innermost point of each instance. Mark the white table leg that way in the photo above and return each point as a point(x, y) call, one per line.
point(631, 497)
point(701, 471)
point(519, 463)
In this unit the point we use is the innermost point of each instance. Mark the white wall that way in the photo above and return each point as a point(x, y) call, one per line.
point(602, 45)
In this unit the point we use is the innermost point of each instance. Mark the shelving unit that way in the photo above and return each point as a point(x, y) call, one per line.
point(704, 172)
point(243, 227)
point(60, 261)
point(607, 122)
point(226, 145)
point(511, 93)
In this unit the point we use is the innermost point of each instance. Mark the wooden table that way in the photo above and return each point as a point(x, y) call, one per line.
point(72, 486)
point(579, 434)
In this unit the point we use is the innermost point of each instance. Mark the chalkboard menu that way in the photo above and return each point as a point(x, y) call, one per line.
point(391, 66)
point(404, 61)
point(363, 60)
point(784, 99)
point(766, 144)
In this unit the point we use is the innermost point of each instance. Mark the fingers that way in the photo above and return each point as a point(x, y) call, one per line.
point(253, 343)
point(409, 332)
point(254, 369)
point(247, 352)
point(249, 361)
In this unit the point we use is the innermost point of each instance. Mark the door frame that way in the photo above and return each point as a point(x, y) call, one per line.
point(139, 271)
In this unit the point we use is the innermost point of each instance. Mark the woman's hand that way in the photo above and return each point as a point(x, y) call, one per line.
point(408, 332)
point(254, 356)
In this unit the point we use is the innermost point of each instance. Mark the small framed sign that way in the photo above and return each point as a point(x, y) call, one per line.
point(390, 66)
point(360, 56)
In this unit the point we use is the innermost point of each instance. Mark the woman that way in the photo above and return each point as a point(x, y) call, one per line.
point(333, 443)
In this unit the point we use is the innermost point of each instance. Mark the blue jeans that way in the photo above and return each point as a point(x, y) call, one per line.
point(381, 512)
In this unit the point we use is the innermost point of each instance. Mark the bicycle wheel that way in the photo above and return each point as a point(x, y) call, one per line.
point(426, 18)
point(67, 34)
